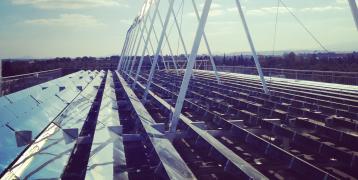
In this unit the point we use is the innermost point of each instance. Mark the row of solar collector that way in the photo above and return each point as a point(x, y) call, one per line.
point(39, 112)
point(50, 155)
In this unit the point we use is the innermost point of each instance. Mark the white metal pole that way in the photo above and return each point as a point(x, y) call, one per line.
point(146, 44)
point(136, 22)
point(144, 18)
point(156, 38)
point(164, 63)
point(180, 34)
point(161, 52)
point(159, 47)
point(168, 44)
point(130, 46)
point(207, 45)
point(133, 47)
point(123, 58)
point(354, 9)
point(189, 68)
point(151, 60)
point(253, 50)
point(136, 52)
point(127, 50)
point(152, 48)
point(123, 50)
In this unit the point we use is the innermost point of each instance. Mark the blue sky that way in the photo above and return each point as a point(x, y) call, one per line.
point(52, 28)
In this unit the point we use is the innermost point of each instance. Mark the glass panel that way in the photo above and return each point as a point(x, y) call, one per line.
point(38, 90)
point(54, 154)
point(107, 147)
point(3, 101)
point(33, 113)
point(9, 149)
point(51, 158)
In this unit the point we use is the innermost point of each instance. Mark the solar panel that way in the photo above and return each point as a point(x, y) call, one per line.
point(52, 150)
point(31, 110)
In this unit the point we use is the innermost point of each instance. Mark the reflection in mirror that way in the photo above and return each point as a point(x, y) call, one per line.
point(23, 138)
point(25, 114)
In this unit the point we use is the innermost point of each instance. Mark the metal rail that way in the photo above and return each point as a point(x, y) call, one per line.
point(338, 77)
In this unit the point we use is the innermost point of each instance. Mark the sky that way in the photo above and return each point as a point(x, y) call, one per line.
point(72, 28)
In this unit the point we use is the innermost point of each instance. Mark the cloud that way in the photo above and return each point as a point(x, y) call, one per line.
point(282, 10)
point(212, 6)
point(218, 10)
point(69, 4)
point(68, 20)
point(126, 21)
point(342, 2)
point(267, 11)
point(215, 10)
point(322, 9)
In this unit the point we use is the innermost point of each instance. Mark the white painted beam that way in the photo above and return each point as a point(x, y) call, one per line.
point(189, 68)
point(152, 21)
point(159, 47)
point(125, 46)
point(354, 9)
point(142, 26)
point(253, 50)
point(207, 44)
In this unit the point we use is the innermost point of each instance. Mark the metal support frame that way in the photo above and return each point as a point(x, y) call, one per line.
point(0, 77)
point(146, 44)
point(253, 50)
point(152, 48)
point(133, 46)
point(189, 67)
point(151, 45)
point(135, 23)
point(133, 31)
point(168, 44)
point(161, 52)
point(130, 46)
point(123, 49)
point(132, 62)
point(126, 48)
point(144, 20)
point(159, 47)
point(207, 45)
point(354, 9)
point(180, 34)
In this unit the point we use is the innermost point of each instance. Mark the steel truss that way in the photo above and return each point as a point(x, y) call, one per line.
point(139, 27)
